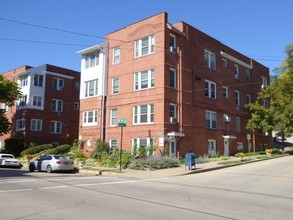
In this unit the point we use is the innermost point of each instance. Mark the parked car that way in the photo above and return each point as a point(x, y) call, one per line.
point(8, 160)
point(278, 137)
point(51, 163)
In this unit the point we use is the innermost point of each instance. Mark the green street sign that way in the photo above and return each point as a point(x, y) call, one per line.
point(122, 122)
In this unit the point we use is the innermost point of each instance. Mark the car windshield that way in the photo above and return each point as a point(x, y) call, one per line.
point(7, 156)
point(59, 157)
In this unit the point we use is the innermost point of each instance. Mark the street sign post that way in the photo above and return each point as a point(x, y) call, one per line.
point(122, 124)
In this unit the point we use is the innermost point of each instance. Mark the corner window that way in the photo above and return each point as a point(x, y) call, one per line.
point(144, 46)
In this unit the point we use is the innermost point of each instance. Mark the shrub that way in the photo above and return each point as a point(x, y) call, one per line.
point(154, 163)
point(14, 145)
point(59, 150)
point(37, 149)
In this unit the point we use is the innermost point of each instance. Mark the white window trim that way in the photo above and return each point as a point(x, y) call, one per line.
point(150, 140)
point(237, 98)
point(58, 86)
point(211, 114)
point(138, 46)
point(111, 144)
point(236, 71)
point(85, 117)
point(227, 92)
point(175, 77)
point(111, 117)
point(138, 116)
point(87, 88)
point(57, 102)
point(40, 121)
point(20, 125)
point(138, 79)
point(38, 101)
point(116, 56)
point(211, 59)
point(210, 83)
point(55, 127)
point(113, 85)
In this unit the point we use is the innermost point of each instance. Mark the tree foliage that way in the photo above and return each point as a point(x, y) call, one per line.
point(279, 115)
point(9, 92)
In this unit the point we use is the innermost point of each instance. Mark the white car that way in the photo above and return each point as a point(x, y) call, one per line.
point(8, 160)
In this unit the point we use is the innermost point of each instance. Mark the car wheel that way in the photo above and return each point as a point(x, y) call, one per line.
point(49, 169)
point(31, 168)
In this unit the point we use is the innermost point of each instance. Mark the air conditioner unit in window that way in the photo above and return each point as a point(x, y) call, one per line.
point(227, 118)
point(173, 119)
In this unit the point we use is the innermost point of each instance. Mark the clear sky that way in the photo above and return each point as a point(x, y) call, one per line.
point(37, 32)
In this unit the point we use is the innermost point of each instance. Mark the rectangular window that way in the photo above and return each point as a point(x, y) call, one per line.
point(20, 125)
point(210, 60)
point(55, 127)
point(76, 106)
point(173, 76)
point(248, 99)
point(116, 55)
point(143, 114)
point(38, 80)
point(144, 79)
point(144, 46)
point(22, 100)
point(237, 98)
point(23, 81)
point(264, 82)
point(211, 119)
point(172, 43)
point(236, 71)
point(37, 101)
point(91, 60)
point(90, 118)
point(115, 85)
point(248, 76)
point(173, 112)
point(225, 92)
point(36, 125)
point(224, 63)
point(113, 144)
point(141, 142)
point(57, 105)
point(114, 117)
point(91, 88)
point(238, 124)
point(265, 103)
point(210, 89)
point(58, 84)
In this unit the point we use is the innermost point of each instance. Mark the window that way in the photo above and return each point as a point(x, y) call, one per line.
point(172, 43)
point(237, 98)
point(58, 84)
point(173, 78)
point(210, 60)
point(55, 127)
point(113, 144)
point(238, 124)
point(23, 81)
point(38, 80)
point(248, 76)
point(90, 117)
point(248, 99)
point(141, 142)
point(144, 79)
point(77, 85)
point(224, 63)
point(76, 106)
point(57, 105)
point(115, 85)
point(116, 55)
point(173, 112)
point(240, 146)
point(36, 125)
point(37, 101)
point(265, 103)
point(143, 114)
point(22, 100)
point(264, 82)
point(236, 71)
point(225, 92)
point(20, 125)
point(114, 117)
point(91, 88)
point(210, 89)
point(211, 119)
point(91, 60)
point(144, 46)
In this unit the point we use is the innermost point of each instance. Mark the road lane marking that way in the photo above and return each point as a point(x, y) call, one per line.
point(283, 178)
point(14, 190)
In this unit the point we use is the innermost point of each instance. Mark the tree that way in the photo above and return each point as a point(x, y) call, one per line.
point(9, 92)
point(279, 115)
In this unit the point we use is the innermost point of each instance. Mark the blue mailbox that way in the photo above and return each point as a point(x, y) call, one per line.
point(189, 160)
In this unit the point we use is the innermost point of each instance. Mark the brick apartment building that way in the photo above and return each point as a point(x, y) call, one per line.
point(48, 111)
point(178, 89)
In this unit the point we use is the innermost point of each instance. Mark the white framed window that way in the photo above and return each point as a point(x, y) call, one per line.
point(211, 119)
point(143, 114)
point(91, 88)
point(144, 79)
point(225, 92)
point(264, 82)
point(248, 99)
point(237, 98)
point(240, 146)
point(114, 117)
point(20, 125)
point(56, 127)
point(144, 46)
point(58, 84)
point(210, 59)
point(172, 43)
point(90, 118)
point(224, 63)
point(23, 81)
point(22, 100)
point(36, 124)
point(142, 142)
point(238, 124)
point(173, 112)
point(91, 60)
point(173, 78)
point(57, 105)
point(37, 101)
point(116, 55)
point(248, 76)
point(38, 80)
point(236, 71)
point(210, 89)
point(115, 85)
point(113, 144)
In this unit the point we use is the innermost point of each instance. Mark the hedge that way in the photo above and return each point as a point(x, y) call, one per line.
point(37, 149)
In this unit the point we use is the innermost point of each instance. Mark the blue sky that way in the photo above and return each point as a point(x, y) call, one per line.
point(260, 29)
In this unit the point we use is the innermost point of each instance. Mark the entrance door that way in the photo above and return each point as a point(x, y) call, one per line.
point(172, 148)
point(212, 151)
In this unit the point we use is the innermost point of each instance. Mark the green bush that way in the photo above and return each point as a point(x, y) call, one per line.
point(154, 163)
point(60, 149)
point(14, 146)
point(37, 149)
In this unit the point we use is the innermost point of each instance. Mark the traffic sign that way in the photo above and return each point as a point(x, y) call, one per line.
point(122, 122)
